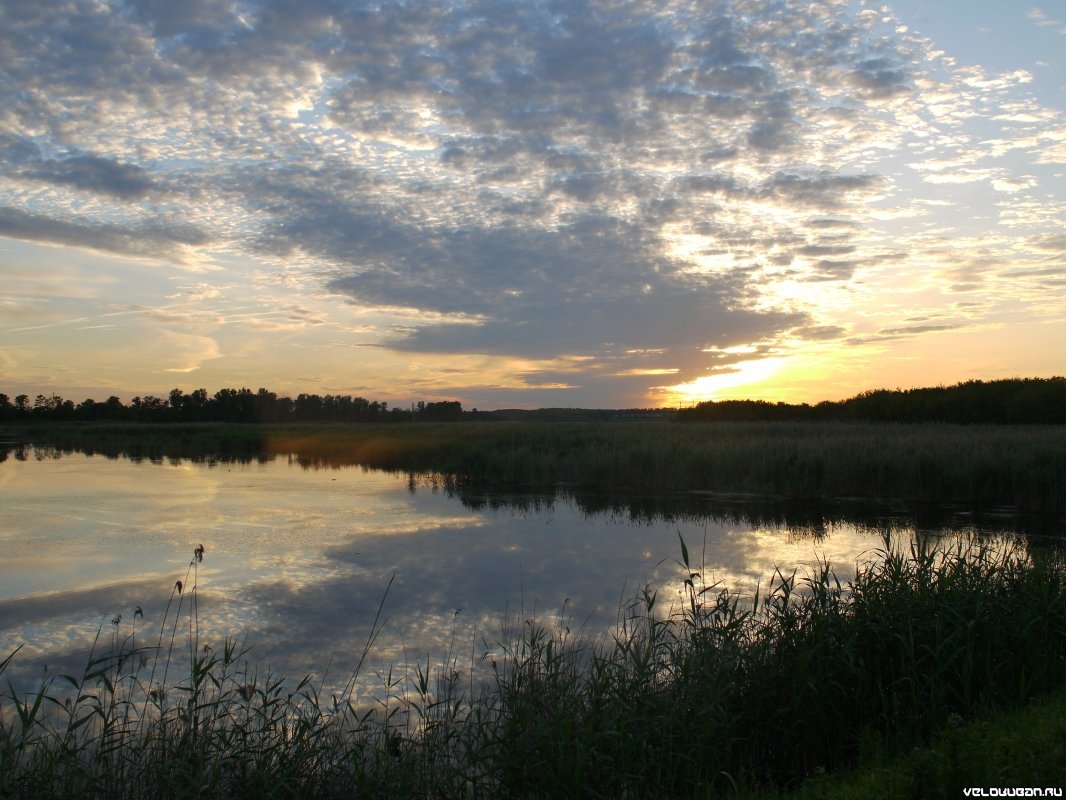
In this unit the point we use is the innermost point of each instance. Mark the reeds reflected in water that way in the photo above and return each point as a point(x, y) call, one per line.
point(714, 692)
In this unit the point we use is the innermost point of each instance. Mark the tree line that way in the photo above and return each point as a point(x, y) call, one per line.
point(226, 405)
point(1010, 401)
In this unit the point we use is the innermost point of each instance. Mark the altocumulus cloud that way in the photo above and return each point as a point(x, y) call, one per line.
point(624, 182)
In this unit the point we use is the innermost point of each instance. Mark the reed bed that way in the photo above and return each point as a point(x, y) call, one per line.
point(975, 465)
point(978, 465)
point(705, 693)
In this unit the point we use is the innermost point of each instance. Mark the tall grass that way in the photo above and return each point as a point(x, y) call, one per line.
point(704, 692)
point(976, 465)
point(128, 726)
point(979, 465)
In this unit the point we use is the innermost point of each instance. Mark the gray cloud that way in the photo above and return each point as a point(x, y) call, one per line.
point(916, 329)
point(95, 174)
point(835, 270)
point(821, 190)
point(592, 284)
point(1050, 243)
point(18, 150)
point(826, 250)
point(528, 167)
point(879, 77)
point(151, 240)
point(192, 19)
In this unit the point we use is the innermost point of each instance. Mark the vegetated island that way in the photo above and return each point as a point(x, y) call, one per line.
point(962, 444)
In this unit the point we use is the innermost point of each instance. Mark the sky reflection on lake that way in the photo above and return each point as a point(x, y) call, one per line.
point(297, 560)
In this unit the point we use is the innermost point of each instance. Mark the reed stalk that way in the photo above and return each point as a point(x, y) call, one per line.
point(697, 691)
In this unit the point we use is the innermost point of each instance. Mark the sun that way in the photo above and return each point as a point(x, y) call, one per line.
point(739, 382)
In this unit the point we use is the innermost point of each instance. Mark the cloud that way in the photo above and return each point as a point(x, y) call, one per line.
point(590, 177)
point(915, 329)
point(18, 149)
point(95, 174)
point(188, 351)
point(879, 78)
point(1040, 17)
point(963, 176)
point(7, 361)
point(156, 240)
point(1050, 243)
point(592, 286)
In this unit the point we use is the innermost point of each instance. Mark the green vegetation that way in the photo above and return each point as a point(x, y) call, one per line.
point(902, 679)
point(715, 695)
point(1025, 747)
point(225, 405)
point(977, 465)
point(1012, 401)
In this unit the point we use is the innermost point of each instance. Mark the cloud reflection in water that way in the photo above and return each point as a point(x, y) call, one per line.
point(298, 559)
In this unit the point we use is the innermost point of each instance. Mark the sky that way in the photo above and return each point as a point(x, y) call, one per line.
point(530, 204)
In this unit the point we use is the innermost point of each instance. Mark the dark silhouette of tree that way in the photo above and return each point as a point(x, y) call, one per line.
point(444, 411)
point(86, 411)
point(150, 409)
point(52, 407)
point(176, 400)
point(114, 410)
point(1010, 401)
point(307, 408)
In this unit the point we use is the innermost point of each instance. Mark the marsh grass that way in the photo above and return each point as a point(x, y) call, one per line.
point(697, 690)
point(1024, 747)
point(978, 465)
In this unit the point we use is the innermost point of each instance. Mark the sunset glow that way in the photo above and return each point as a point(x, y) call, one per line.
point(600, 203)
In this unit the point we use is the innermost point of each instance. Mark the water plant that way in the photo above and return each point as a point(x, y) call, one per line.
point(978, 465)
point(697, 690)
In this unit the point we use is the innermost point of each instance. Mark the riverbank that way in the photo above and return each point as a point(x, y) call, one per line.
point(976, 465)
point(1021, 748)
point(712, 695)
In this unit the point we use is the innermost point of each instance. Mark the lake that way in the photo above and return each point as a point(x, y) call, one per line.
point(298, 558)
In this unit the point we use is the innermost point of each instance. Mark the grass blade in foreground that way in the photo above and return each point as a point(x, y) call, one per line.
point(714, 695)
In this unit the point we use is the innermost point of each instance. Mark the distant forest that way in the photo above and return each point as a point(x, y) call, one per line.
point(225, 405)
point(1012, 401)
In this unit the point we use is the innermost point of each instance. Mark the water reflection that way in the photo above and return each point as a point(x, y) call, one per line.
point(300, 550)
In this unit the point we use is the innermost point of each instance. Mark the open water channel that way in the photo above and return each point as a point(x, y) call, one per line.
point(297, 559)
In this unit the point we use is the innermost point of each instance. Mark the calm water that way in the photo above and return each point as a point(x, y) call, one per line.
point(297, 559)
